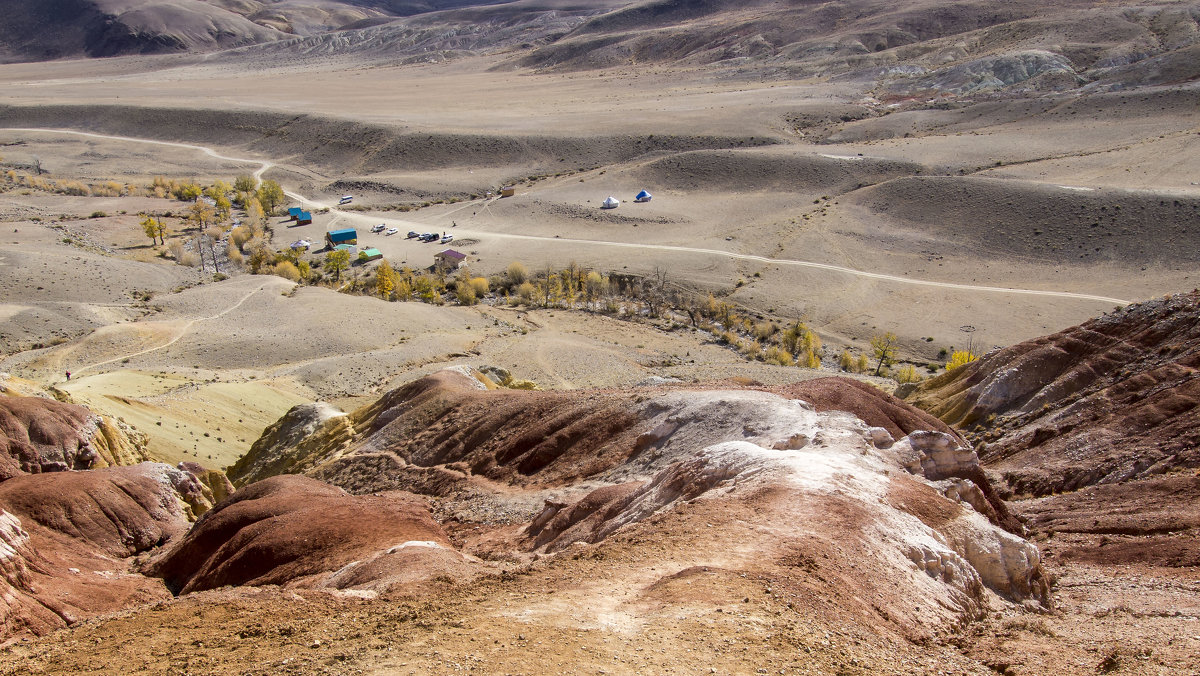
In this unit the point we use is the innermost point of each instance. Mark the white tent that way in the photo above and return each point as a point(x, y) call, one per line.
point(611, 203)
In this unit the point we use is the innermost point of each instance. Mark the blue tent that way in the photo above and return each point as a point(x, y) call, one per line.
point(642, 196)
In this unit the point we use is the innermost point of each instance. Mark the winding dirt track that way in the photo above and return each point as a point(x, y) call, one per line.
point(264, 165)
point(179, 334)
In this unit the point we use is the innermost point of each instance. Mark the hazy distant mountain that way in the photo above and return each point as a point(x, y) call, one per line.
point(914, 48)
point(35, 30)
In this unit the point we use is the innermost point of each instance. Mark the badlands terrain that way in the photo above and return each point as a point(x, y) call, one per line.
point(246, 473)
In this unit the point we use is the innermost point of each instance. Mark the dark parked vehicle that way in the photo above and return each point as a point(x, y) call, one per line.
point(429, 237)
point(412, 234)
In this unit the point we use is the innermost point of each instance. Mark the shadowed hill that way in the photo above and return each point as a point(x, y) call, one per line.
point(765, 169)
point(1034, 221)
point(35, 30)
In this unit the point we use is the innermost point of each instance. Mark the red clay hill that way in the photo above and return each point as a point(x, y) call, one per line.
point(1099, 423)
point(78, 504)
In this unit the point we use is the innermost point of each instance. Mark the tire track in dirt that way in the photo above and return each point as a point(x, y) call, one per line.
point(182, 332)
point(264, 165)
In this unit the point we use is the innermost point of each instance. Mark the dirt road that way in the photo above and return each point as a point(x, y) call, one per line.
point(264, 165)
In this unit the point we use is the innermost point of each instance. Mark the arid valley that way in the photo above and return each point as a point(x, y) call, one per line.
point(892, 367)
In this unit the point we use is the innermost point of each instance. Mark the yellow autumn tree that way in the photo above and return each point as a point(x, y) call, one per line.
point(270, 195)
point(336, 262)
point(151, 226)
point(385, 280)
point(884, 348)
point(960, 358)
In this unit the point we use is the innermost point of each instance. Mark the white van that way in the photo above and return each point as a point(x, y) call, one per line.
point(346, 199)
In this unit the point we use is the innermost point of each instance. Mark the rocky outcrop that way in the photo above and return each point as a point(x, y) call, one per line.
point(1110, 400)
point(214, 484)
point(1035, 69)
point(43, 435)
point(305, 434)
point(776, 475)
point(296, 531)
point(962, 552)
point(1096, 422)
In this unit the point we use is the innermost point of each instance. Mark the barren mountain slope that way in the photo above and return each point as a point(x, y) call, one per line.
point(39, 30)
point(917, 49)
point(36, 30)
point(699, 508)
point(1098, 425)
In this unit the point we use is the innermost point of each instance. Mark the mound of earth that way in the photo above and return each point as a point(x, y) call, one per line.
point(870, 404)
point(536, 473)
point(295, 531)
point(45, 435)
point(1102, 415)
point(69, 537)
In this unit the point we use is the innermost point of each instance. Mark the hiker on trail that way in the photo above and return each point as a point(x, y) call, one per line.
point(68, 375)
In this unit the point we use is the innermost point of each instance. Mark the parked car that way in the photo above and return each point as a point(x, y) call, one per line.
point(412, 234)
point(378, 228)
point(392, 231)
point(447, 238)
point(429, 237)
